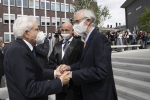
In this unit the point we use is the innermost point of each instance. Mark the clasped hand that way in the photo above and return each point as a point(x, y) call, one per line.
point(63, 72)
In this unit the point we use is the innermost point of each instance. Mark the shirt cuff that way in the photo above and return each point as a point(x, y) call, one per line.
point(56, 77)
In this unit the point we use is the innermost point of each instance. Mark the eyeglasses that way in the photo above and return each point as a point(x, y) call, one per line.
point(78, 21)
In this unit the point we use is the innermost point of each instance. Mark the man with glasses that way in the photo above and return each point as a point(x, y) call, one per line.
point(67, 51)
point(93, 71)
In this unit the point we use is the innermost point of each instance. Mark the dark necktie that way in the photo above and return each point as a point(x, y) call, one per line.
point(65, 45)
point(34, 53)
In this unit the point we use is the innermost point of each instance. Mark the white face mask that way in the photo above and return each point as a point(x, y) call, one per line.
point(40, 38)
point(3, 45)
point(66, 36)
point(80, 29)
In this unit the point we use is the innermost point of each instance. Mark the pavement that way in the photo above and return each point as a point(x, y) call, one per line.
point(138, 54)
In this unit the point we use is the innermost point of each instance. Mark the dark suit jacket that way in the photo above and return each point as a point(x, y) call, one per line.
point(1, 63)
point(25, 78)
point(72, 55)
point(42, 51)
point(95, 70)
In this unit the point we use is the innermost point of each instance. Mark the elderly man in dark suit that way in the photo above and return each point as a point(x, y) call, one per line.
point(67, 51)
point(24, 75)
point(93, 70)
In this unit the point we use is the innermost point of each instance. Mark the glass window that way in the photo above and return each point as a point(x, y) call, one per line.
point(67, 7)
point(6, 18)
point(45, 20)
point(31, 4)
point(47, 5)
point(25, 3)
point(53, 6)
point(58, 6)
point(12, 2)
point(58, 22)
point(71, 8)
point(62, 7)
point(53, 21)
point(6, 37)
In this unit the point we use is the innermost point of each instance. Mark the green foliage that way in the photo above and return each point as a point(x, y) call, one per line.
point(144, 20)
point(101, 13)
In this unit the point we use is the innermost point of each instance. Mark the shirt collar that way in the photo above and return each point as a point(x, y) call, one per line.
point(88, 35)
point(68, 40)
point(29, 45)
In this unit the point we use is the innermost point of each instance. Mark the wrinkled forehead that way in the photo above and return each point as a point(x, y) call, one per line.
point(78, 15)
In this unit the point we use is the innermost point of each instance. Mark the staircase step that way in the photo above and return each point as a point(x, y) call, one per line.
point(131, 94)
point(133, 83)
point(131, 66)
point(119, 98)
point(143, 76)
point(144, 61)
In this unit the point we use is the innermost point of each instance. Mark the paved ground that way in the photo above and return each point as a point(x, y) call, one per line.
point(138, 54)
point(141, 53)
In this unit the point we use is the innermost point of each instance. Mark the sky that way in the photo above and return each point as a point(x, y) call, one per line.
point(117, 13)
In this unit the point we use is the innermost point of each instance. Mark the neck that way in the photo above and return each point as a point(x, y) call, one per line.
point(89, 29)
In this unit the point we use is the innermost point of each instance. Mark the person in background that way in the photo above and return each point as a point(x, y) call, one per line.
point(42, 51)
point(134, 36)
point(67, 51)
point(93, 71)
point(1, 59)
point(25, 77)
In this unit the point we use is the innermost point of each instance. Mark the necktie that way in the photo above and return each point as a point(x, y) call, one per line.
point(66, 45)
point(34, 53)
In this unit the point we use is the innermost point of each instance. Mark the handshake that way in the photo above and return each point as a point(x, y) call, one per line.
point(63, 72)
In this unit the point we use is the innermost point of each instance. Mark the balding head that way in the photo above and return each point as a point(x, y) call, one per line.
point(67, 24)
point(66, 28)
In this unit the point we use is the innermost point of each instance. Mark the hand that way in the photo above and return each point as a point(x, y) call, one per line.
point(64, 67)
point(65, 77)
point(57, 72)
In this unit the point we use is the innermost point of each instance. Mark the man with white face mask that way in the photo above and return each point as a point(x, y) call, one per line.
point(93, 70)
point(67, 51)
point(24, 75)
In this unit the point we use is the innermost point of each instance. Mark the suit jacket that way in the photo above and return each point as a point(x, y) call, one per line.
point(42, 51)
point(25, 78)
point(72, 55)
point(94, 70)
point(1, 63)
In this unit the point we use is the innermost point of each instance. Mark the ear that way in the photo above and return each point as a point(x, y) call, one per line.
point(88, 22)
point(26, 34)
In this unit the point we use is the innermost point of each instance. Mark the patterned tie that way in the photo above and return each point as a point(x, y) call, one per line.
point(66, 45)
point(34, 53)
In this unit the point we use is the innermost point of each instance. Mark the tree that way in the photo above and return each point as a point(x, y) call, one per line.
point(101, 13)
point(144, 20)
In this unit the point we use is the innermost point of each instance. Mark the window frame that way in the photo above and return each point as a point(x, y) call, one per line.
point(21, 4)
point(10, 4)
point(8, 18)
point(46, 5)
point(9, 37)
point(35, 4)
point(46, 18)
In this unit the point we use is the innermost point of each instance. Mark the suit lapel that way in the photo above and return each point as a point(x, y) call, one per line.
point(26, 46)
point(69, 49)
point(59, 51)
point(88, 43)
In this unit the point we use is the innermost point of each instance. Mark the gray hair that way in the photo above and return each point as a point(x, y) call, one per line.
point(21, 25)
point(86, 13)
point(1, 38)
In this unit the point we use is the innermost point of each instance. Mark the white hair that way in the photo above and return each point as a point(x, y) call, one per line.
point(21, 25)
point(86, 13)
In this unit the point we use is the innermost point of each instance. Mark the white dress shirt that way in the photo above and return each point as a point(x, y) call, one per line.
point(63, 53)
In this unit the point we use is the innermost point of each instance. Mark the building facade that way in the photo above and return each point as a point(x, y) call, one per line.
point(56, 13)
point(133, 9)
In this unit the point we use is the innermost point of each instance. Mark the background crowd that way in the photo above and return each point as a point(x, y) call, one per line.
point(125, 37)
